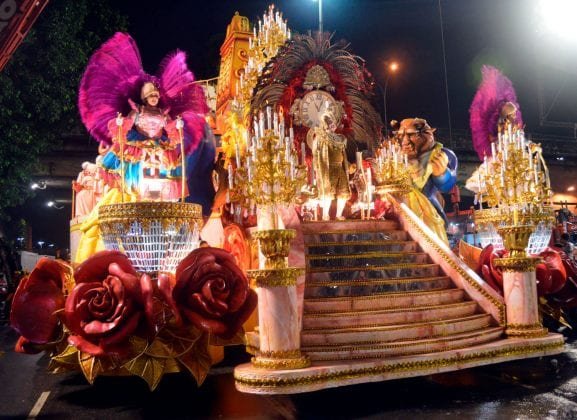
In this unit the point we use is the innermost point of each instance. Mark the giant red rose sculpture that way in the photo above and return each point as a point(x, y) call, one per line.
point(107, 319)
point(36, 303)
point(107, 305)
point(213, 293)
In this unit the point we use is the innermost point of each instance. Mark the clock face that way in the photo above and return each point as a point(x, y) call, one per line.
point(314, 104)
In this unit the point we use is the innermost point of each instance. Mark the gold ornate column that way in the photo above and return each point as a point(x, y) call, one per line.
point(279, 330)
point(233, 59)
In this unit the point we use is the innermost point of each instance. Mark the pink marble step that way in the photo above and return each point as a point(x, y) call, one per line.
point(365, 259)
point(357, 287)
point(388, 316)
point(366, 335)
point(348, 225)
point(387, 271)
point(355, 247)
point(383, 301)
point(404, 348)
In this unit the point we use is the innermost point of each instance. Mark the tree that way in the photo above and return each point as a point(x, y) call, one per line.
point(39, 87)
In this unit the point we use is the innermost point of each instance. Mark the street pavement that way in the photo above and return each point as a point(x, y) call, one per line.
point(542, 388)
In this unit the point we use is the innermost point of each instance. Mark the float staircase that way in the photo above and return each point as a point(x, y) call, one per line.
point(385, 300)
point(371, 292)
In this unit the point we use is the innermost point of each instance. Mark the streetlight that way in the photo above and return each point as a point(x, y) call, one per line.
point(38, 185)
point(54, 205)
point(320, 16)
point(391, 68)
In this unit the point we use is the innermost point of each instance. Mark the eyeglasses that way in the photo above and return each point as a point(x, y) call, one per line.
point(411, 136)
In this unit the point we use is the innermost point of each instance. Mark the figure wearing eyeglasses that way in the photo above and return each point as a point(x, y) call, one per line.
point(433, 168)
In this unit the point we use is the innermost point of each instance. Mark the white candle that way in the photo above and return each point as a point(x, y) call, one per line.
point(303, 152)
point(237, 153)
point(261, 124)
point(291, 134)
point(493, 152)
point(230, 182)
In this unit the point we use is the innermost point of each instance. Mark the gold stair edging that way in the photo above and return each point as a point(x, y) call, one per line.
point(360, 243)
point(406, 218)
point(380, 281)
point(368, 254)
point(399, 266)
point(352, 232)
point(426, 350)
point(323, 377)
point(377, 296)
point(419, 308)
point(376, 345)
point(395, 327)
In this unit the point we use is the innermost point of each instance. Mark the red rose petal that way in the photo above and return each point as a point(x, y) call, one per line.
point(25, 346)
point(165, 288)
point(36, 301)
point(147, 298)
point(85, 346)
point(95, 268)
point(124, 329)
point(129, 281)
point(76, 309)
point(213, 326)
point(235, 320)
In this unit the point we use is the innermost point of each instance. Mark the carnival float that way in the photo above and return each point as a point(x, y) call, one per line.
point(305, 236)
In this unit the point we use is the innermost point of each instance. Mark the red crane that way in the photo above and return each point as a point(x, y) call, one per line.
point(16, 19)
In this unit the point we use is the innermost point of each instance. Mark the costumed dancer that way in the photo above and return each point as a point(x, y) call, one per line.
point(112, 84)
point(85, 187)
point(433, 170)
point(330, 164)
point(151, 150)
point(494, 107)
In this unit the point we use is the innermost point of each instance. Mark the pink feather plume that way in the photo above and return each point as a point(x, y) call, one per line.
point(495, 89)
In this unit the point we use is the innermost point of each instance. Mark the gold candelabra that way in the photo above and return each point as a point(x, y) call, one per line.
point(263, 45)
point(515, 183)
point(270, 173)
point(391, 168)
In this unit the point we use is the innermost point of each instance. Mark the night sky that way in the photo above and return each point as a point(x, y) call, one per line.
point(504, 33)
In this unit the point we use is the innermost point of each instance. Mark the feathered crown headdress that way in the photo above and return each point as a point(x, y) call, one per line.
point(284, 79)
point(114, 77)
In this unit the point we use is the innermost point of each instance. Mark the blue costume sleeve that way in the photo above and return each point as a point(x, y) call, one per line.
point(199, 167)
point(445, 182)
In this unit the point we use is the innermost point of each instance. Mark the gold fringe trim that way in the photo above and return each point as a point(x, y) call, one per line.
point(419, 308)
point(395, 367)
point(417, 349)
point(275, 277)
point(281, 364)
point(386, 328)
point(377, 282)
point(517, 265)
point(373, 267)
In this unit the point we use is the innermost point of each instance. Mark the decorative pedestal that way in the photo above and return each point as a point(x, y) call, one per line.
point(155, 236)
point(279, 330)
point(520, 285)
